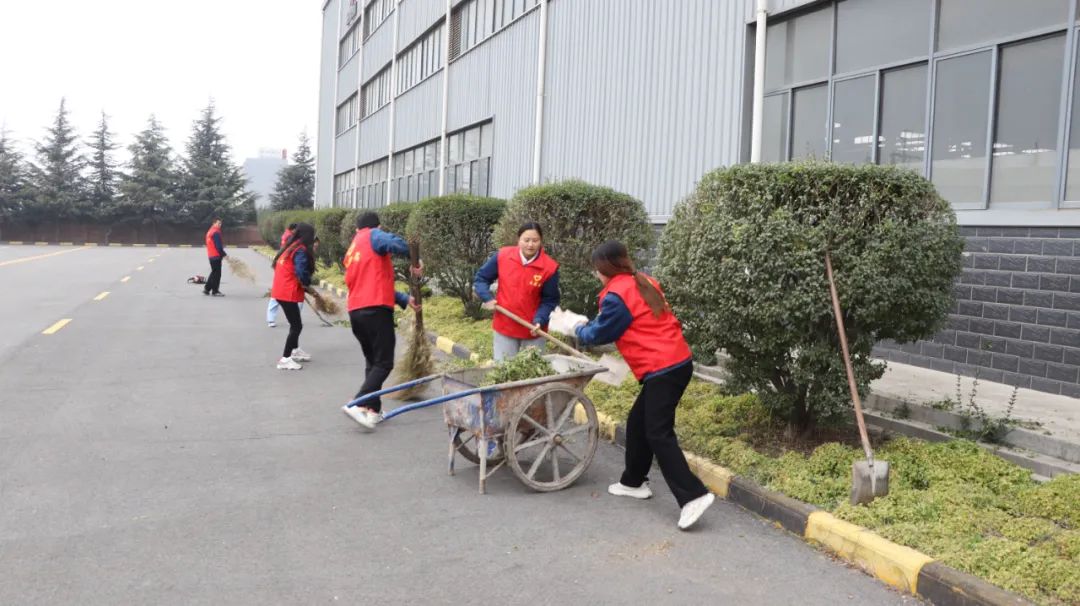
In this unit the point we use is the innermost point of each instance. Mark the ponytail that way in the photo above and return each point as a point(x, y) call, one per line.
point(612, 259)
point(303, 235)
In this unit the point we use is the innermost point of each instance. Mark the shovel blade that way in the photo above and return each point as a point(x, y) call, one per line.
point(616, 370)
point(869, 482)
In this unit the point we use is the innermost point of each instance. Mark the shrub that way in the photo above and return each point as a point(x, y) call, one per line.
point(577, 217)
point(328, 223)
point(743, 264)
point(455, 236)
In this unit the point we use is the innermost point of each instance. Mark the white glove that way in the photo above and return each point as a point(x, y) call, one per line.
point(565, 322)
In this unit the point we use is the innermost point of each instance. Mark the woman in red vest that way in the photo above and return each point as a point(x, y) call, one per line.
point(636, 317)
point(293, 268)
point(272, 305)
point(528, 286)
point(369, 275)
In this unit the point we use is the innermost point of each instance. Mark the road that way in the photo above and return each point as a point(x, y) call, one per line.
point(150, 452)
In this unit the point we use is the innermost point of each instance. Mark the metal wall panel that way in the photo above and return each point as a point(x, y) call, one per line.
point(348, 78)
point(418, 113)
point(646, 114)
point(345, 151)
point(378, 49)
point(497, 79)
point(375, 135)
point(775, 7)
point(324, 138)
point(416, 17)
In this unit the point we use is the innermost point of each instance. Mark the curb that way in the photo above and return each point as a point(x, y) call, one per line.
point(900, 567)
point(111, 244)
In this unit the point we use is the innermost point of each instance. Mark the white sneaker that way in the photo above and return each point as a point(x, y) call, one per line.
point(288, 364)
point(692, 511)
point(620, 490)
point(300, 355)
point(270, 325)
point(361, 415)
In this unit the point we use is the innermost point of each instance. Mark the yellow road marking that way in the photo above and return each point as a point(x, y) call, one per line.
point(35, 257)
point(125, 278)
point(101, 296)
point(150, 260)
point(139, 268)
point(55, 327)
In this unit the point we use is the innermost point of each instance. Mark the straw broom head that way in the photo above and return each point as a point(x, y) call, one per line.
point(241, 269)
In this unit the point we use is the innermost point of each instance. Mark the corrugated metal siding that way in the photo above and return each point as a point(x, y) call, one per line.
point(375, 135)
point(378, 50)
point(419, 113)
point(348, 79)
point(345, 151)
point(498, 79)
point(324, 139)
point(416, 17)
point(775, 7)
point(643, 113)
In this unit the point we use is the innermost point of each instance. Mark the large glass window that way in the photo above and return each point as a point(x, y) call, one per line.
point(347, 115)
point(797, 50)
point(349, 45)
point(902, 139)
point(376, 93)
point(420, 60)
point(808, 122)
point(961, 105)
point(1026, 129)
point(372, 184)
point(416, 174)
point(375, 13)
point(774, 127)
point(879, 32)
point(1072, 180)
point(469, 160)
point(967, 22)
point(473, 21)
point(853, 120)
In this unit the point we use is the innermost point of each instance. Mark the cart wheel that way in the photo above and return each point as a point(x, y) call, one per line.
point(550, 442)
point(465, 444)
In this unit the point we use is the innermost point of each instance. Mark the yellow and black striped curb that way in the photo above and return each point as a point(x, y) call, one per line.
point(110, 244)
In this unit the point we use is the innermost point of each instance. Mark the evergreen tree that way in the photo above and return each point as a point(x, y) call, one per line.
point(104, 177)
point(59, 190)
point(147, 192)
point(295, 187)
point(211, 184)
point(14, 187)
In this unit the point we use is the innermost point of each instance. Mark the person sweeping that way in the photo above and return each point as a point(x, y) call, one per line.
point(293, 268)
point(215, 251)
point(528, 286)
point(272, 306)
point(636, 317)
point(369, 276)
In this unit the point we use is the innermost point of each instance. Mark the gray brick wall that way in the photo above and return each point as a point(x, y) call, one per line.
point(1016, 319)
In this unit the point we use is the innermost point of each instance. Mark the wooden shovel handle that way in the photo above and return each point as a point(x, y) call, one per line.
point(847, 360)
point(553, 340)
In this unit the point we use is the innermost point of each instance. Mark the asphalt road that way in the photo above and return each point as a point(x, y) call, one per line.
point(151, 453)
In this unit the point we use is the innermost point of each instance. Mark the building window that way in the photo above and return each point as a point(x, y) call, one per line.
point(853, 120)
point(415, 173)
point(902, 135)
point(468, 160)
point(420, 60)
point(371, 182)
point(474, 21)
point(375, 13)
point(349, 45)
point(376, 93)
point(960, 114)
point(347, 115)
point(345, 190)
point(964, 23)
point(774, 129)
point(797, 50)
point(808, 122)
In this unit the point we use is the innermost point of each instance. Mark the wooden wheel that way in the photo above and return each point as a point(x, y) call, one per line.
point(465, 443)
point(552, 437)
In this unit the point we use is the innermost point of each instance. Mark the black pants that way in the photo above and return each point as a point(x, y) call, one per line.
point(374, 328)
point(650, 431)
point(213, 282)
point(292, 314)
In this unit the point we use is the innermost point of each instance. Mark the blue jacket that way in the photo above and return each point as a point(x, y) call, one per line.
point(386, 243)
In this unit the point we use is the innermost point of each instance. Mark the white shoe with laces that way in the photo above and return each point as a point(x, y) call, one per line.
point(288, 364)
point(621, 490)
point(692, 511)
point(300, 355)
point(362, 416)
point(270, 325)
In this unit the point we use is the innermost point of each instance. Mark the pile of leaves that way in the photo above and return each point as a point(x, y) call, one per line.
point(529, 363)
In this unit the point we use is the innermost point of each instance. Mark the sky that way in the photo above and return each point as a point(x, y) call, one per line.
point(258, 61)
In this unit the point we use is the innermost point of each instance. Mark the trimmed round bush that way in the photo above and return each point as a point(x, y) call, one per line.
point(328, 222)
point(576, 218)
point(743, 265)
point(455, 235)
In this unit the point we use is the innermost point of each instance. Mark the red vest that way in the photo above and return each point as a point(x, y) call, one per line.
point(286, 285)
point(519, 289)
point(211, 249)
point(369, 276)
point(650, 343)
point(285, 237)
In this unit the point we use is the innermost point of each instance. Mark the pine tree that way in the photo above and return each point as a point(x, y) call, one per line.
point(59, 190)
point(211, 184)
point(147, 192)
point(14, 186)
point(295, 187)
point(104, 177)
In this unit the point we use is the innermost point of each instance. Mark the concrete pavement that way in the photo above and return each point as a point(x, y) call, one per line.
point(150, 452)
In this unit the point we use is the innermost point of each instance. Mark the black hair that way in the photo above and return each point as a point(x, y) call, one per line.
point(291, 226)
point(531, 225)
point(612, 259)
point(303, 235)
point(367, 219)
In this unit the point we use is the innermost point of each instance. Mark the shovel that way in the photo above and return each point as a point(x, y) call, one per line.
point(616, 368)
point(869, 478)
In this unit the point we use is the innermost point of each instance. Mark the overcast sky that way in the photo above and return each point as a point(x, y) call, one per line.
point(258, 60)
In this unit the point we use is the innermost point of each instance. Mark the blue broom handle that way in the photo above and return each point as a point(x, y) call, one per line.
point(383, 392)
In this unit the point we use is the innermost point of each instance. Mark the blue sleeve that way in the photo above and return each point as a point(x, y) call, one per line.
point(485, 276)
point(549, 300)
point(385, 243)
point(401, 299)
point(612, 322)
point(219, 245)
point(300, 267)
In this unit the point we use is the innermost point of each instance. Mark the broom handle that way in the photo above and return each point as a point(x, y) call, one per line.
point(553, 340)
point(414, 283)
point(847, 360)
